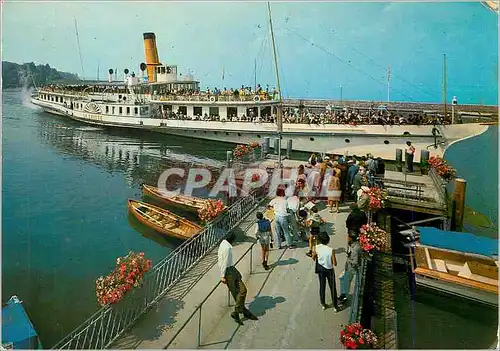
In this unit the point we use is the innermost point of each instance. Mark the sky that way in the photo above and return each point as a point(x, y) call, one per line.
point(321, 45)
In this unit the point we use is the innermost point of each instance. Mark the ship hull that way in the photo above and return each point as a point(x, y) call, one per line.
point(381, 141)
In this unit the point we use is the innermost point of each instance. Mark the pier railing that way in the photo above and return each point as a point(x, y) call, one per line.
point(439, 184)
point(358, 296)
point(111, 321)
point(198, 308)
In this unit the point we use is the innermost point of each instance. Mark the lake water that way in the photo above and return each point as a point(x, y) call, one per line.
point(65, 221)
point(65, 191)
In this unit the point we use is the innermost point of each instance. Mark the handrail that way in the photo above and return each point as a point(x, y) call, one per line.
point(200, 305)
point(439, 184)
point(357, 299)
point(111, 321)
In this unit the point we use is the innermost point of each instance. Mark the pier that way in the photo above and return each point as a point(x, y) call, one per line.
point(183, 304)
point(196, 313)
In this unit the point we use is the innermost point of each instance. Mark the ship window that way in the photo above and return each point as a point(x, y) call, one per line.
point(258, 136)
point(162, 70)
point(232, 112)
point(197, 111)
point(386, 142)
point(252, 112)
point(265, 111)
point(62, 99)
point(136, 110)
point(347, 141)
point(312, 139)
point(182, 110)
point(113, 109)
point(213, 111)
point(128, 110)
point(120, 110)
point(107, 109)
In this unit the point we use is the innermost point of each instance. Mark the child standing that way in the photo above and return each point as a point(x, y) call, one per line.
point(315, 223)
point(263, 234)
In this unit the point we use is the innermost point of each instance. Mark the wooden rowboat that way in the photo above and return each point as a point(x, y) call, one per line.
point(163, 221)
point(187, 203)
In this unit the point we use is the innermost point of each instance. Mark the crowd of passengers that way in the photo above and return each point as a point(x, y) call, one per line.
point(346, 116)
point(264, 94)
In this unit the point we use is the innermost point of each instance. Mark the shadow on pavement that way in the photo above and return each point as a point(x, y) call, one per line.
point(261, 304)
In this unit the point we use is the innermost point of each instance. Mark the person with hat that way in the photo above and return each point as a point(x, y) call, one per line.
point(351, 265)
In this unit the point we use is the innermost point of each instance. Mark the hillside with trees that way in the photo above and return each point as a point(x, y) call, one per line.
point(16, 75)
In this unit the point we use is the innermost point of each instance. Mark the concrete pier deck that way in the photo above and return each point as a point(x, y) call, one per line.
point(285, 299)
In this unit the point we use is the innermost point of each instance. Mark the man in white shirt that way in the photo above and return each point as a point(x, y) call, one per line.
point(232, 278)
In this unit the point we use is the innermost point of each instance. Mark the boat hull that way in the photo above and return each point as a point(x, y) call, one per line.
point(339, 139)
point(153, 192)
point(167, 232)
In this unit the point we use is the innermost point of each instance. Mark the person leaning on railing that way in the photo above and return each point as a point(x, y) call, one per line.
point(232, 278)
point(351, 266)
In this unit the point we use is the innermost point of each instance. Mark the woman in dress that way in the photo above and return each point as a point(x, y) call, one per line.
point(335, 185)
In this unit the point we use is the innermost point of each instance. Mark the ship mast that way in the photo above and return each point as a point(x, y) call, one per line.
point(279, 117)
point(79, 49)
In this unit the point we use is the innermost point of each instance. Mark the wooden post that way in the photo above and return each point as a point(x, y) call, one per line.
point(459, 197)
point(399, 160)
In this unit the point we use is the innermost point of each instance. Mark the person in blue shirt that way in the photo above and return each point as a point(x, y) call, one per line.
point(263, 234)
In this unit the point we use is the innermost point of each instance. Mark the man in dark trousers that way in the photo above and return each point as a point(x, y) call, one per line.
point(355, 220)
point(232, 278)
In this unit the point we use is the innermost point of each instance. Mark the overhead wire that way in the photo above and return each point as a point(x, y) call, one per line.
point(427, 90)
point(346, 62)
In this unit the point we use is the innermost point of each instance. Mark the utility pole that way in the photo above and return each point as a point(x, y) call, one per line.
point(444, 88)
point(388, 83)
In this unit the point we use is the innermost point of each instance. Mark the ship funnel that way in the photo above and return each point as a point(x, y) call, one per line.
point(151, 54)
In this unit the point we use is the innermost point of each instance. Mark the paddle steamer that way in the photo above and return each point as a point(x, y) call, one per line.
point(162, 100)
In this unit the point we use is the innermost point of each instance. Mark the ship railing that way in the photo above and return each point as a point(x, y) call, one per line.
point(210, 98)
point(112, 321)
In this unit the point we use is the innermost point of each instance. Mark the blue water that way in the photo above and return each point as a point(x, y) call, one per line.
point(476, 160)
point(64, 208)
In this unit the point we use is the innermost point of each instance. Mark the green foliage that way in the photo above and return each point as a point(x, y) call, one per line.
point(16, 76)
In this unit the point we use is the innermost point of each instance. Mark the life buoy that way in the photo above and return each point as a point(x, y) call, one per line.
point(212, 99)
point(256, 98)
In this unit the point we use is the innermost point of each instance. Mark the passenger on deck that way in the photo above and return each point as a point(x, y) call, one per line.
point(232, 278)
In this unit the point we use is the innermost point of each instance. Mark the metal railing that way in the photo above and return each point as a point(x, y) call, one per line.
point(439, 184)
point(111, 321)
point(211, 98)
point(358, 296)
point(200, 305)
